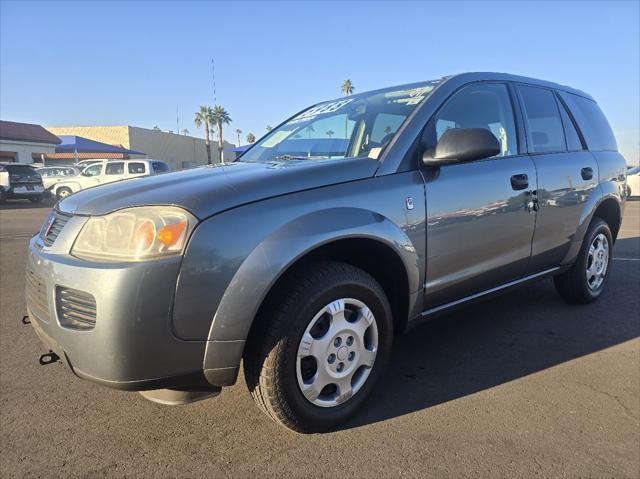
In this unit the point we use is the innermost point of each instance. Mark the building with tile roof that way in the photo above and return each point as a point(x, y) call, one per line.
point(25, 142)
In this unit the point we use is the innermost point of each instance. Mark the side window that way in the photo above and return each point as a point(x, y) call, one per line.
point(543, 119)
point(93, 170)
point(593, 124)
point(487, 106)
point(159, 167)
point(114, 168)
point(136, 168)
point(571, 134)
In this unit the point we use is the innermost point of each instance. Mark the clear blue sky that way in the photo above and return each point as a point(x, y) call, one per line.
point(101, 63)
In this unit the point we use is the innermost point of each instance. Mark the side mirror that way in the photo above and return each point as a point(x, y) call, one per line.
point(458, 145)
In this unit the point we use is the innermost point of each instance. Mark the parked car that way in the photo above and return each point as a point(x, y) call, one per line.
point(107, 172)
point(20, 181)
point(633, 182)
point(305, 256)
point(52, 175)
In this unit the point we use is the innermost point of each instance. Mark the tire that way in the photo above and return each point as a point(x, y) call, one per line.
point(278, 363)
point(35, 199)
point(575, 286)
point(63, 192)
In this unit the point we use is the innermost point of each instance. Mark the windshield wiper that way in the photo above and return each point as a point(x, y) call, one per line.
point(295, 157)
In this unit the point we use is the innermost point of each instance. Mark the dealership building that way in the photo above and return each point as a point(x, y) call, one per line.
point(179, 151)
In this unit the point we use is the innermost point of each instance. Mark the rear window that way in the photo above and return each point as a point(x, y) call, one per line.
point(546, 134)
point(19, 169)
point(159, 167)
point(592, 123)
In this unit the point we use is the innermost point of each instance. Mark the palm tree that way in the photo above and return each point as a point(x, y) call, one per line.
point(238, 132)
point(310, 129)
point(347, 88)
point(204, 117)
point(269, 128)
point(220, 117)
point(251, 138)
point(184, 131)
point(330, 133)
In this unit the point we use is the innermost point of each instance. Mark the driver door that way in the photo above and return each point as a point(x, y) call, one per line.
point(480, 221)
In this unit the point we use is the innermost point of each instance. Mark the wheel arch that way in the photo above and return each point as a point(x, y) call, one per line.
point(609, 210)
point(340, 234)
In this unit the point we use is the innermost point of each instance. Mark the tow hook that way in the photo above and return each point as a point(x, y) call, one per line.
point(49, 358)
point(25, 320)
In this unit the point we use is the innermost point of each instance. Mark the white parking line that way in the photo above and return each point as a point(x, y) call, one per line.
point(627, 259)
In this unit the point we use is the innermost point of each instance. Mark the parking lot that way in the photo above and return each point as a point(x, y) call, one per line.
point(524, 385)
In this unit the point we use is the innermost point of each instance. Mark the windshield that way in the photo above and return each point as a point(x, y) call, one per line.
point(355, 126)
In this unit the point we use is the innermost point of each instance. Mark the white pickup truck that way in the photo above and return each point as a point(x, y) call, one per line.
point(108, 172)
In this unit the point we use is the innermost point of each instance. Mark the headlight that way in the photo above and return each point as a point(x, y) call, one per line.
point(134, 234)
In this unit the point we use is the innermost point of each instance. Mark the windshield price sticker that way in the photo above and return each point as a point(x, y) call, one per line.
point(323, 109)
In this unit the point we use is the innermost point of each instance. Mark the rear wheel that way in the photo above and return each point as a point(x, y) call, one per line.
point(320, 347)
point(63, 192)
point(587, 278)
point(35, 199)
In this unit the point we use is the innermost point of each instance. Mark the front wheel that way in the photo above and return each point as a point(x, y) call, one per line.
point(587, 278)
point(63, 192)
point(320, 347)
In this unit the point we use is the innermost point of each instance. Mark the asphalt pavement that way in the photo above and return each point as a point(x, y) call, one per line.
point(523, 385)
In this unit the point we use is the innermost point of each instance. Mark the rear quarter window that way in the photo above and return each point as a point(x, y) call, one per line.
point(159, 167)
point(592, 123)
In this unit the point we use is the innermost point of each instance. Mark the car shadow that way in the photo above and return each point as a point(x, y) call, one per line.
point(21, 204)
point(501, 340)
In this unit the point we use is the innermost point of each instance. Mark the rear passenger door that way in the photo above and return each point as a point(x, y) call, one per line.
point(567, 174)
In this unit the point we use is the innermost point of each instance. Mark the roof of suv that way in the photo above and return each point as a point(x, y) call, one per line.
point(469, 77)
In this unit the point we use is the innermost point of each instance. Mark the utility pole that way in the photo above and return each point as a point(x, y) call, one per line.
point(177, 120)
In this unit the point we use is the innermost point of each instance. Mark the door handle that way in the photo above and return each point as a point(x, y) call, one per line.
point(587, 173)
point(520, 182)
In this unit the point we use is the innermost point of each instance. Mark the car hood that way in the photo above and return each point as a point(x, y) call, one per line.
point(208, 190)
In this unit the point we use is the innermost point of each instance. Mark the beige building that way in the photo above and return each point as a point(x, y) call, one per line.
point(179, 151)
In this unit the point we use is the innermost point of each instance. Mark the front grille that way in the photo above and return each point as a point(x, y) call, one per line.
point(36, 293)
point(76, 309)
point(58, 220)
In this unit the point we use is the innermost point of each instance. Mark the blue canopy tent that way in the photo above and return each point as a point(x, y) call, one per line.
point(77, 144)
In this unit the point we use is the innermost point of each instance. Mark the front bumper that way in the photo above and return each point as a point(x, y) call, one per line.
point(132, 345)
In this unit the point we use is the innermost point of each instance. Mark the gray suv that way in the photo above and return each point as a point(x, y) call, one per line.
point(351, 222)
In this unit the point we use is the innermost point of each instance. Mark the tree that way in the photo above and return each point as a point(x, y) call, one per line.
point(251, 138)
point(220, 117)
point(204, 117)
point(238, 132)
point(310, 129)
point(184, 131)
point(347, 88)
point(156, 128)
point(269, 128)
point(330, 133)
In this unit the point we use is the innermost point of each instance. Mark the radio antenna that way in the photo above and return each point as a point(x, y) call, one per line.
point(213, 78)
